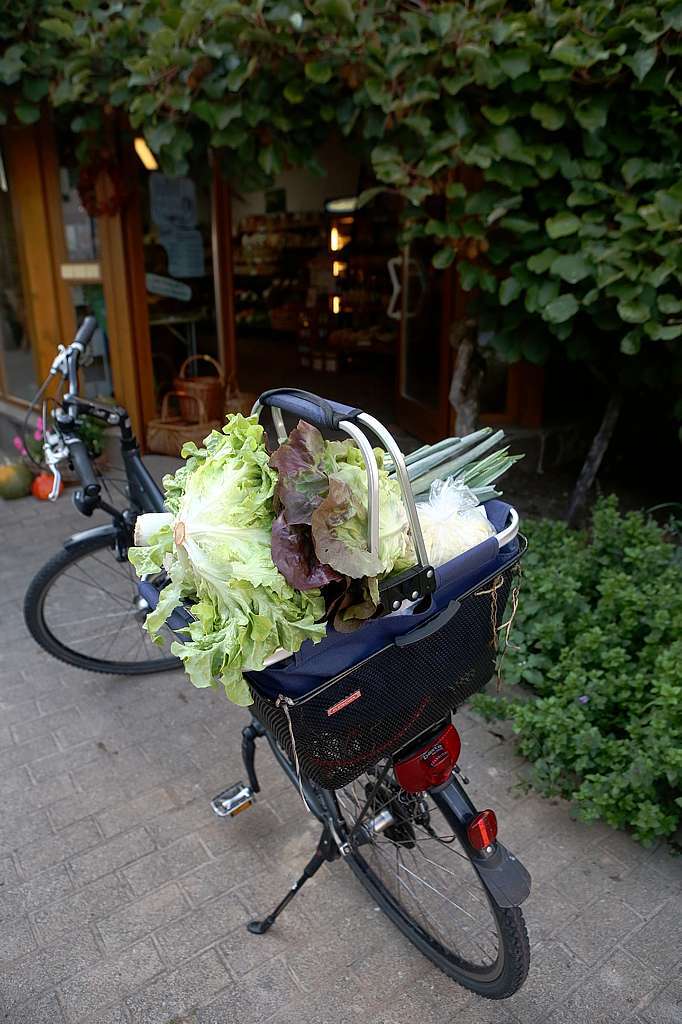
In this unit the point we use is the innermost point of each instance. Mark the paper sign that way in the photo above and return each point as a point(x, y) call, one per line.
point(185, 251)
point(172, 202)
point(158, 285)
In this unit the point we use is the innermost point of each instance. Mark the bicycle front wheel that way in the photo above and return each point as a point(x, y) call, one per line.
point(423, 879)
point(83, 607)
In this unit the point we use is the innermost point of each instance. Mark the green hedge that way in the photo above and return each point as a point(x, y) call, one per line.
point(598, 636)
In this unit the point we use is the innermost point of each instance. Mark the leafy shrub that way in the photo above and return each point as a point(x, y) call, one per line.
point(598, 636)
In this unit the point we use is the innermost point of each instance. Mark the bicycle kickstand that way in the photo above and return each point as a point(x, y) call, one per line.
point(326, 851)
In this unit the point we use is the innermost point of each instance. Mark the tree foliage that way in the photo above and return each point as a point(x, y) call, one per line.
point(568, 114)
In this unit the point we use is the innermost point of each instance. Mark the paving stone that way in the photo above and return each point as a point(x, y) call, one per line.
point(80, 908)
point(110, 981)
point(599, 927)
point(43, 968)
point(170, 995)
point(19, 711)
point(668, 864)
point(652, 943)
point(16, 938)
point(666, 1007)
point(57, 848)
point(82, 805)
point(25, 753)
point(257, 997)
point(180, 821)
point(44, 888)
point(109, 856)
point(156, 868)
point(214, 877)
point(589, 877)
point(50, 723)
point(555, 969)
point(139, 918)
point(132, 812)
point(201, 928)
point(42, 1010)
point(8, 872)
point(22, 827)
point(42, 795)
point(645, 890)
point(611, 994)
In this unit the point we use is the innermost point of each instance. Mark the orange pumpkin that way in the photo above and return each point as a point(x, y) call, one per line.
point(42, 485)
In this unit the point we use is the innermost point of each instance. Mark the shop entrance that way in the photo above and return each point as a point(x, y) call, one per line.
point(327, 300)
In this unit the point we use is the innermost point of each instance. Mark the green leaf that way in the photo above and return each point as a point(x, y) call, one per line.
point(57, 27)
point(540, 262)
point(568, 52)
point(496, 115)
point(592, 113)
point(571, 267)
point(443, 258)
point(561, 225)
point(630, 343)
point(455, 190)
point(561, 309)
point(514, 63)
point(318, 71)
point(293, 91)
point(549, 117)
point(510, 289)
point(668, 304)
point(633, 312)
point(26, 112)
point(337, 10)
point(34, 89)
point(642, 62)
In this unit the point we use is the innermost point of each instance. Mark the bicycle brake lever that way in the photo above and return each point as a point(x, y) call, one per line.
point(56, 484)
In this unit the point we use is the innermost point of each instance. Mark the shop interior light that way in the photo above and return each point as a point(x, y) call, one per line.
point(338, 268)
point(145, 154)
point(336, 304)
point(344, 204)
point(334, 240)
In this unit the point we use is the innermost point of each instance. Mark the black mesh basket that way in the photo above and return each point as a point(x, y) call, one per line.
point(376, 707)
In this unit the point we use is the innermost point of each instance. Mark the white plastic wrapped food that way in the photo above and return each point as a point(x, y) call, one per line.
point(452, 521)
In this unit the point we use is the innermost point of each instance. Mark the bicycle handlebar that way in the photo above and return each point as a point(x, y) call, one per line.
point(85, 332)
point(78, 453)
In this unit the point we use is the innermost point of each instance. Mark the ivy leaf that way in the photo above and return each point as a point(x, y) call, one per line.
point(568, 52)
point(571, 267)
point(549, 117)
point(591, 114)
point(455, 190)
point(540, 262)
point(561, 309)
point(443, 258)
point(562, 225)
point(514, 63)
point(510, 289)
point(496, 115)
point(642, 62)
point(668, 304)
point(630, 343)
point(27, 113)
point(293, 91)
point(34, 89)
point(633, 312)
point(468, 275)
point(57, 27)
point(338, 10)
point(319, 72)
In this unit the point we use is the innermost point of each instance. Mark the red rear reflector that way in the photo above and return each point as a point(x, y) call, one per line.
point(432, 764)
point(482, 830)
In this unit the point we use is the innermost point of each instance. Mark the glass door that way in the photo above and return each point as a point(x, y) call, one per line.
point(420, 302)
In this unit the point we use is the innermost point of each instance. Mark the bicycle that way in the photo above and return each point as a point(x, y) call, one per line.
point(106, 633)
point(373, 752)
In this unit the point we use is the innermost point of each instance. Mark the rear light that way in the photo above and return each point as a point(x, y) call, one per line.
point(431, 765)
point(482, 830)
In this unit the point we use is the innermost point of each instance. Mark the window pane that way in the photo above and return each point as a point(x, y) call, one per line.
point(17, 373)
point(80, 229)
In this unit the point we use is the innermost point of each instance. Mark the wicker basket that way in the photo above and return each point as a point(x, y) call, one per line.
point(236, 400)
point(210, 389)
point(166, 434)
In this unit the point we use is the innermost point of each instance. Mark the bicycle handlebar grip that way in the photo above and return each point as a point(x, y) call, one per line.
point(85, 331)
point(322, 412)
point(78, 454)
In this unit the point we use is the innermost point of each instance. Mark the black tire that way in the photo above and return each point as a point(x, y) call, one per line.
point(63, 587)
point(497, 980)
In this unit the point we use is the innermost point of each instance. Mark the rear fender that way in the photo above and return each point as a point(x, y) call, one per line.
point(505, 878)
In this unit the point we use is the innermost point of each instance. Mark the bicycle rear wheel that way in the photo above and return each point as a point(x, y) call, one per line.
point(423, 879)
point(83, 607)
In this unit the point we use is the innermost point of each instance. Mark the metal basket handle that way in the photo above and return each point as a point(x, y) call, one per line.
point(325, 413)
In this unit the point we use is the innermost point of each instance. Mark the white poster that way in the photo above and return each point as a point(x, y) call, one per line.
point(172, 202)
point(166, 286)
point(185, 251)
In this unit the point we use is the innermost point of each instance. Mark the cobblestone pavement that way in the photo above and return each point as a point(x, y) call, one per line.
point(123, 899)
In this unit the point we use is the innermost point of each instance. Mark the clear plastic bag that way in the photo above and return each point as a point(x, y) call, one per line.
point(452, 521)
